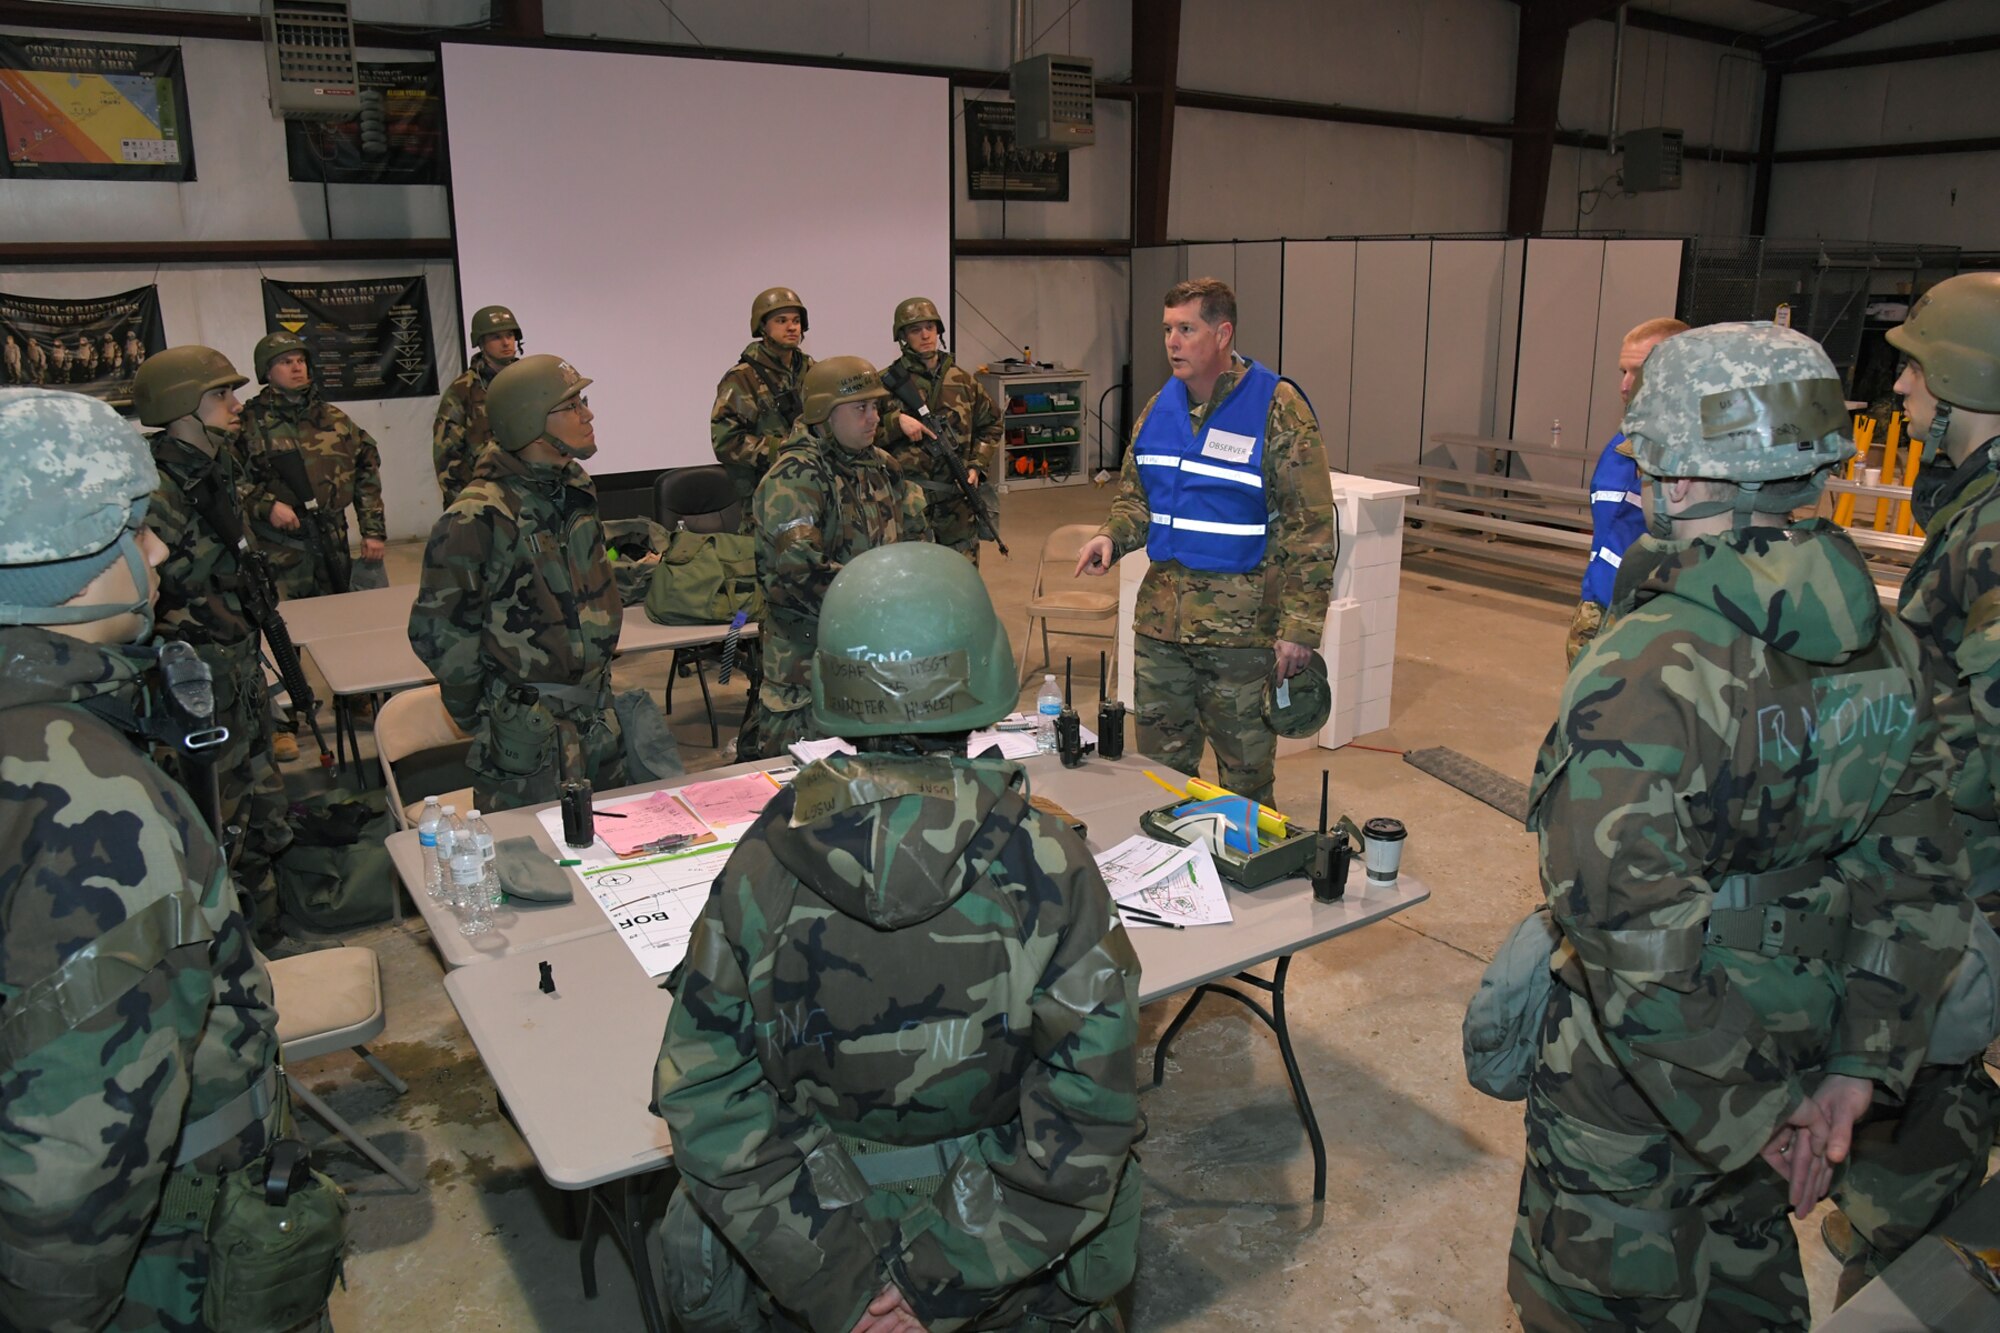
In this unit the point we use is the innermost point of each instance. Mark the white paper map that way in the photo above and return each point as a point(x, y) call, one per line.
point(1178, 883)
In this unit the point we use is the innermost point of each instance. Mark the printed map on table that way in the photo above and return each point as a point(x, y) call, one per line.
point(652, 900)
point(1168, 880)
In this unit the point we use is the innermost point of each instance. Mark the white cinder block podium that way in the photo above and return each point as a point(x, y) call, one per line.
point(1360, 640)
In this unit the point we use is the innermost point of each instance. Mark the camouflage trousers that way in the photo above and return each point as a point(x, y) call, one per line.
point(765, 734)
point(1911, 1166)
point(251, 795)
point(1184, 693)
point(708, 1288)
point(593, 751)
point(953, 523)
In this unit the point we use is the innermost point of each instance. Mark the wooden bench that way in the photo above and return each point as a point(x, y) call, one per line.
point(1497, 538)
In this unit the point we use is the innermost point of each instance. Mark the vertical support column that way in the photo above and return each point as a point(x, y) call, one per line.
point(519, 18)
point(1767, 147)
point(1538, 72)
point(1156, 59)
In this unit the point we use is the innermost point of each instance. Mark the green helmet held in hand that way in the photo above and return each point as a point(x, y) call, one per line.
point(909, 643)
point(769, 302)
point(915, 311)
point(272, 346)
point(522, 396)
point(72, 497)
point(1309, 701)
point(837, 380)
point(169, 385)
point(491, 319)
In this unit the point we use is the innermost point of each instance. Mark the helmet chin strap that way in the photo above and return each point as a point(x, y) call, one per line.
point(1934, 437)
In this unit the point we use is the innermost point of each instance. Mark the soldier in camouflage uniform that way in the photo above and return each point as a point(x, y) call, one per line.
point(191, 391)
point(518, 612)
point(899, 1071)
point(340, 460)
point(953, 394)
point(760, 396)
point(123, 1046)
point(1910, 1169)
point(829, 496)
point(1746, 844)
point(1226, 489)
point(460, 432)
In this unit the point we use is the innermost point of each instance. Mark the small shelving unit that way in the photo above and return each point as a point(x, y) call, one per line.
point(1042, 413)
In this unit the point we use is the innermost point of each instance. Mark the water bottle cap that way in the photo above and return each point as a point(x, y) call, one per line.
point(451, 809)
point(472, 813)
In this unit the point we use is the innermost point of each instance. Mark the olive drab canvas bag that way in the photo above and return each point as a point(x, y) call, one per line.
point(705, 578)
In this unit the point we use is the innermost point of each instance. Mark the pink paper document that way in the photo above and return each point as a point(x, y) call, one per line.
point(728, 801)
point(647, 819)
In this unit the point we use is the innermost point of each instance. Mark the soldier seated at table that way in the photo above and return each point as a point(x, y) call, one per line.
point(899, 1071)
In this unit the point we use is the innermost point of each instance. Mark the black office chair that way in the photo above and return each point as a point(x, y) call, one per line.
point(703, 499)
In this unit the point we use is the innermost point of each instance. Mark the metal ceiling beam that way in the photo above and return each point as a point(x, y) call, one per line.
point(1156, 64)
point(44, 15)
point(1805, 40)
point(1925, 148)
point(1819, 9)
point(1652, 21)
point(1890, 55)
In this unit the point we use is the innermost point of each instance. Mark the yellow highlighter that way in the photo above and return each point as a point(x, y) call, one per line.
point(1269, 821)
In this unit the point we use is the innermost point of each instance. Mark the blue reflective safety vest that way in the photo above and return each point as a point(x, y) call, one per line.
point(1205, 494)
point(1617, 519)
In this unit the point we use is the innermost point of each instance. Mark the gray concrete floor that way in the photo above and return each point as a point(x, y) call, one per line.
point(1423, 1170)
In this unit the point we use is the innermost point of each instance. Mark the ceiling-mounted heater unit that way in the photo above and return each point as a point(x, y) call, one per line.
point(1652, 159)
point(1054, 101)
point(309, 54)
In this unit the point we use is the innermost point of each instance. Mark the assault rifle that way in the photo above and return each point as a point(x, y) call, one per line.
point(324, 530)
point(257, 590)
point(942, 443)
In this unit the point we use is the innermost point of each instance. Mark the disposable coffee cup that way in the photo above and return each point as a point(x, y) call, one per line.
point(1382, 849)
point(1871, 476)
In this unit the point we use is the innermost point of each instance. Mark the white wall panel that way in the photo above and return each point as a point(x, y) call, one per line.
point(1154, 270)
point(1212, 261)
point(1100, 187)
point(222, 306)
point(1641, 281)
point(1240, 177)
point(1392, 301)
point(965, 33)
point(1437, 57)
point(1460, 366)
point(1714, 198)
point(1937, 23)
point(1710, 92)
point(1560, 286)
point(1070, 311)
point(1318, 350)
point(1941, 199)
point(240, 190)
point(1260, 299)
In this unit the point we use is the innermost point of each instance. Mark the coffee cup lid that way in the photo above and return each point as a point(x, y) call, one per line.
point(1383, 829)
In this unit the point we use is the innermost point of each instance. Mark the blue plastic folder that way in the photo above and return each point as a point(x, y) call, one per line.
point(1240, 812)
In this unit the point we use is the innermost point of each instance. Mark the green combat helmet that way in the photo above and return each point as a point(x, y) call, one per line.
point(169, 386)
point(1953, 332)
point(769, 302)
point(71, 500)
point(522, 396)
point(909, 643)
point(1753, 404)
point(916, 310)
point(1310, 701)
point(491, 319)
point(272, 346)
point(837, 380)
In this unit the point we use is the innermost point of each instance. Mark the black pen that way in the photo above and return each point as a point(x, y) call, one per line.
point(609, 814)
point(1150, 918)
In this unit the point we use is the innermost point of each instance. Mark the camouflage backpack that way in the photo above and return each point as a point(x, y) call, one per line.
point(336, 874)
point(705, 578)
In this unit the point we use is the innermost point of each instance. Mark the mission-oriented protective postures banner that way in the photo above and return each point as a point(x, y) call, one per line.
point(89, 345)
point(368, 337)
point(93, 111)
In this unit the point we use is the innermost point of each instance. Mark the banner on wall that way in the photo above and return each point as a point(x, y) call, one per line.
point(395, 142)
point(91, 346)
point(369, 337)
point(93, 111)
point(996, 169)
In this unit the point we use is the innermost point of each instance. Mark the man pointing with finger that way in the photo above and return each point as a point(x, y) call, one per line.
point(1226, 488)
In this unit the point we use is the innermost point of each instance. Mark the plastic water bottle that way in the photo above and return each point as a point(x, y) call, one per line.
point(475, 911)
point(1047, 704)
point(427, 838)
point(450, 828)
point(1556, 434)
point(489, 858)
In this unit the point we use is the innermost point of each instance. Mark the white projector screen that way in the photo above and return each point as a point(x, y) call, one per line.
point(628, 208)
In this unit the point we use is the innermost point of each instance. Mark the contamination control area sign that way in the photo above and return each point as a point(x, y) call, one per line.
point(93, 111)
point(369, 337)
